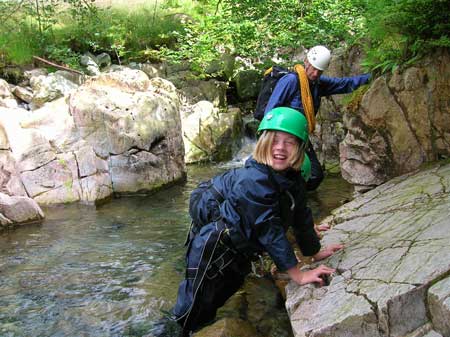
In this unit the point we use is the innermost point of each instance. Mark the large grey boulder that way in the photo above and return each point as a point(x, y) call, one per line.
point(50, 157)
point(134, 123)
point(18, 210)
point(15, 206)
point(118, 133)
point(392, 277)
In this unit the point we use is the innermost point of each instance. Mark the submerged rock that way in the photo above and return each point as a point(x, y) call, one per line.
point(229, 327)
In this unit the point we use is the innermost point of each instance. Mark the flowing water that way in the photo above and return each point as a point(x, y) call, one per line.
point(110, 270)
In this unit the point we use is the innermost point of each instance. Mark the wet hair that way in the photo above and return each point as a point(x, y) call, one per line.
point(263, 150)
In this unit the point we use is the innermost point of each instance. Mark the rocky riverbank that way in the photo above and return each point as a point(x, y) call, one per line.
point(393, 277)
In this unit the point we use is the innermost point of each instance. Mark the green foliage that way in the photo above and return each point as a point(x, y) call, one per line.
point(29, 26)
point(63, 55)
point(248, 28)
point(402, 31)
point(398, 32)
point(256, 29)
point(20, 45)
point(61, 30)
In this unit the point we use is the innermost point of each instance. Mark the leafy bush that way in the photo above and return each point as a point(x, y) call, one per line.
point(402, 31)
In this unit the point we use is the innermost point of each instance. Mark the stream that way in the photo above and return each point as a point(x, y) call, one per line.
point(109, 270)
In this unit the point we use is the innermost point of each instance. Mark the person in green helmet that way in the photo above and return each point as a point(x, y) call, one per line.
point(238, 215)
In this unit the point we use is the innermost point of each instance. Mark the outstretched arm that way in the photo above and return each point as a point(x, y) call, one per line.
point(341, 85)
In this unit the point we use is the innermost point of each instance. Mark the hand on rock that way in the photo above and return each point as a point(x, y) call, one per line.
point(316, 275)
point(321, 228)
point(327, 251)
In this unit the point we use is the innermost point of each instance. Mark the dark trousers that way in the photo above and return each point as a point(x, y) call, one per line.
point(212, 294)
point(317, 174)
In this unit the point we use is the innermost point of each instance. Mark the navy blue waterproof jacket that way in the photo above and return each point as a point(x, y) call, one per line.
point(287, 90)
point(258, 210)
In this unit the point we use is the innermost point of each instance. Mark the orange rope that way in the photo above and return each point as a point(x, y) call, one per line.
point(268, 71)
point(307, 100)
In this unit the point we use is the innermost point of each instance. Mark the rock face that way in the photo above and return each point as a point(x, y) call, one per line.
point(15, 206)
point(209, 134)
point(403, 121)
point(393, 277)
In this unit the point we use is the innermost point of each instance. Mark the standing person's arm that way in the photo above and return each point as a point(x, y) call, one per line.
point(341, 85)
point(284, 92)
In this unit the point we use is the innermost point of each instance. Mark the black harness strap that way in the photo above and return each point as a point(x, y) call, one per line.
point(199, 273)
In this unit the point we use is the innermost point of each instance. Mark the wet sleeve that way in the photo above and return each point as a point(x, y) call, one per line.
point(303, 225)
point(260, 212)
point(304, 232)
point(343, 85)
point(283, 93)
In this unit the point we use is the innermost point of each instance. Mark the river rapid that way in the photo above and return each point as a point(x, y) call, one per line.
point(110, 270)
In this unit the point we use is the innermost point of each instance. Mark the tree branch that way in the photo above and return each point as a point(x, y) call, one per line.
point(40, 59)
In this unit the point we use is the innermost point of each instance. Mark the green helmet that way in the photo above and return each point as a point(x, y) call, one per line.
point(286, 119)
point(305, 170)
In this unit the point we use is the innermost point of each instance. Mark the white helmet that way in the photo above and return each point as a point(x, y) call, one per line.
point(319, 57)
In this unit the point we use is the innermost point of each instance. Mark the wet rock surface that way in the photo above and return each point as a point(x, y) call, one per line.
point(393, 277)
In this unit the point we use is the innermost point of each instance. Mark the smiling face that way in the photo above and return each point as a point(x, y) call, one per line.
point(312, 73)
point(284, 147)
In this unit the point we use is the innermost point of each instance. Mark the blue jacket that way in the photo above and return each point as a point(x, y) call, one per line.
point(258, 211)
point(287, 91)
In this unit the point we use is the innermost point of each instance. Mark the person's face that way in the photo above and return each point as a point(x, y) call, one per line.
point(283, 147)
point(312, 73)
